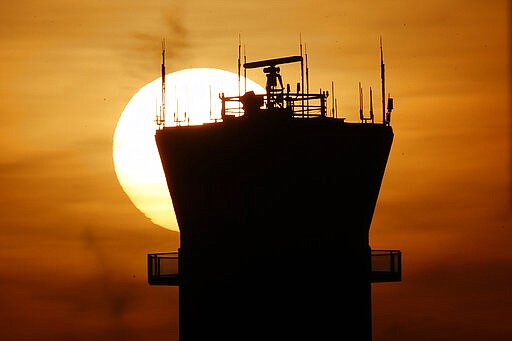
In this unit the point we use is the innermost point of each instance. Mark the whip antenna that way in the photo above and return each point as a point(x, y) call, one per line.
point(160, 116)
point(383, 84)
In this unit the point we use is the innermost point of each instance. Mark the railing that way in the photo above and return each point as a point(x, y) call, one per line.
point(307, 105)
point(386, 266)
point(300, 105)
point(163, 268)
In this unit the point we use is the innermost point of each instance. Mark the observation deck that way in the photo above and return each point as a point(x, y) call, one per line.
point(163, 268)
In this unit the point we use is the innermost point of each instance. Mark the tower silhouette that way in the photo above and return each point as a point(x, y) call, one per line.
point(274, 204)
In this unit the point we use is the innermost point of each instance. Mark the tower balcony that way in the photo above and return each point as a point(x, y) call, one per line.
point(386, 266)
point(163, 267)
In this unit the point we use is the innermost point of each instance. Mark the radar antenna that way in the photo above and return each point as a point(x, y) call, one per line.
point(273, 76)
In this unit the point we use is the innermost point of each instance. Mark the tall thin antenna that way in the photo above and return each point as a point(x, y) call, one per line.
point(245, 71)
point(307, 68)
point(301, 73)
point(300, 44)
point(239, 63)
point(210, 101)
point(361, 115)
point(156, 112)
point(332, 93)
point(382, 77)
point(160, 116)
point(239, 66)
point(177, 115)
point(307, 77)
point(176, 112)
point(371, 105)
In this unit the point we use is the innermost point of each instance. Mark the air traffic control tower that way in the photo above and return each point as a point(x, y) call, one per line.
point(274, 203)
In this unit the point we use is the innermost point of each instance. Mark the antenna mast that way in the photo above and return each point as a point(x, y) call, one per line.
point(371, 104)
point(383, 84)
point(307, 78)
point(239, 64)
point(301, 73)
point(332, 93)
point(245, 72)
point(361, 115)
point(210, 102)
point(160, 116)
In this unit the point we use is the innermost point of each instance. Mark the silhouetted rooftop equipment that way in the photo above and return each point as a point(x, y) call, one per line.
point(386, 115)
point(160, 115)
point(289, 104)
point(273, 62)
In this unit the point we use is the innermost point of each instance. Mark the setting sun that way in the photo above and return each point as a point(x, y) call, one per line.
point(192, 97)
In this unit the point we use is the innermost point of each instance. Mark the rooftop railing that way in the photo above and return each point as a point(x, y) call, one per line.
point(298, 104)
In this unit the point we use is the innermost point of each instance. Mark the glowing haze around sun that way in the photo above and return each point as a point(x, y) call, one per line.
point(136, 159)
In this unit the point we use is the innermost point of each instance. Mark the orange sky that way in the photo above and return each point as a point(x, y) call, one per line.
point(73, 247)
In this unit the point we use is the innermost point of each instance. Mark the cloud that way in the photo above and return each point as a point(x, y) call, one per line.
point(142, 56)
point(436, 301)
point(66, 297)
